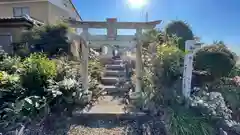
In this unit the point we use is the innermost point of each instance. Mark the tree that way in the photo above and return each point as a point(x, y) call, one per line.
point(181, 30)
point(216, 59)
point(153, 35)
point(50, 39)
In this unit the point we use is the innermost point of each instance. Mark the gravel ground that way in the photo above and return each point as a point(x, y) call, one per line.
point(80, 130)
point(59, 125)
point(128, 128)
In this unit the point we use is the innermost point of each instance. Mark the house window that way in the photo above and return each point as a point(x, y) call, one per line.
point(65, 3)
point(21, 11)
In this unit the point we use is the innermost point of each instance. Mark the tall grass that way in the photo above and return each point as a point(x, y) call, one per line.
point(185, 122)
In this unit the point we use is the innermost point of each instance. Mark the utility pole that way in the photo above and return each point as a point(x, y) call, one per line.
point(146, 17)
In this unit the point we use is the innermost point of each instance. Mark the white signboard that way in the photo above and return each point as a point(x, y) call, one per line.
point(190, 48)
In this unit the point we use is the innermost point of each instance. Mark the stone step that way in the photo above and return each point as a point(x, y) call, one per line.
point(111, 80)
point(108, 104)
point(110, 90)
point(118, 67)
point(108, 107)
point(117, 58)
point(117, 61)
point(114, 73)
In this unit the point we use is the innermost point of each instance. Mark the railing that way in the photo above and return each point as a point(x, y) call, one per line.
point(34, 20)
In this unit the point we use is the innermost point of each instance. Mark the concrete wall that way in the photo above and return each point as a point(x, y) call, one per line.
point(67, 7)
point(38, 10)
point(56, 13)
point(14, 32)
point(47, 11)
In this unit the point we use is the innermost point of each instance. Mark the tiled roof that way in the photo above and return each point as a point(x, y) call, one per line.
point(20, 19)
point(14, 19)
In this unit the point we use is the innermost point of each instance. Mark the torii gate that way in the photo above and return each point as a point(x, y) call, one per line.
point(114, 39)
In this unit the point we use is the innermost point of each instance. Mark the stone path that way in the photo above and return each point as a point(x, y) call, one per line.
point(113, 85)
point(109, 115)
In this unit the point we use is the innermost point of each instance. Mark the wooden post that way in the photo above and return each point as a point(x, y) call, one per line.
point(138, 61)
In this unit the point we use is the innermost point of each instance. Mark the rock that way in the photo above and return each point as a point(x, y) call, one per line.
point(212, 104)
point(222, 132)
point(127, 85)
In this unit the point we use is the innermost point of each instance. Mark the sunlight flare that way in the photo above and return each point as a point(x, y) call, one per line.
point(137, 3)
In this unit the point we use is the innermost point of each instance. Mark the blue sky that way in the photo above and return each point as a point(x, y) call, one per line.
point(210, 19)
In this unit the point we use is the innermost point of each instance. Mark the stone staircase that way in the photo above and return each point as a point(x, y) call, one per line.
point(114, 77)
point(111, 110)
point(113, 100)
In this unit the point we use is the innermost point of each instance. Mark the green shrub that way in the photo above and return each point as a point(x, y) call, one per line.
point(66, 93)
point(38, 69)
point(10, 91)
point(42, 86)
point(181, 30)
point(211, 59)
point(50, 39)
point(95, 69)
point(232, 97)
point(167, 66)
point(21, 49)
point(151, 36)
point(230, 90)
point(10, 87)
point(67, 69)
point(11, 64)
point(235, 71)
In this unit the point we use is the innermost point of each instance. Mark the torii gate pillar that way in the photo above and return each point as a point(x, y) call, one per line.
point(139, 66)
point(85, 53)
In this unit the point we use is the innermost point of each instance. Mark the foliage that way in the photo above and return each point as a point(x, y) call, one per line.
point(181, 30)
point(11, 64)
point(153, 35)
point(36, 90)
point(21, 49)
point(162, 89)
point(66, 93)
point(230, 89)
point(211, 59)
point(167, 66)
point(235, 71)
point(10, 91)
point(155, 100)
point(95, 69)
point(185, 122)
point(161, 76)
point(148, 92)
point(3, 54)
point(67, 68)
point(72, 69)
point(37, 70)
point(10, 88)
point(50, 39)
